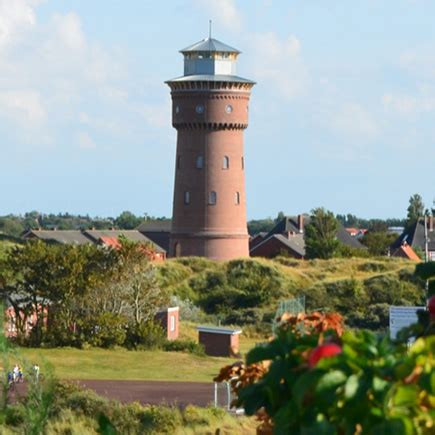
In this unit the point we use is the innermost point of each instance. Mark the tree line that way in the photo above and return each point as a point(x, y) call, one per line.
point(14, 225)
point(75, 295)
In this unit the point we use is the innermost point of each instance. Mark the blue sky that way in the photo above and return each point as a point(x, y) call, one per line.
point(342, 115)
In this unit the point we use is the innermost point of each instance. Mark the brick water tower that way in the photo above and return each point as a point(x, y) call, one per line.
point(210, 107)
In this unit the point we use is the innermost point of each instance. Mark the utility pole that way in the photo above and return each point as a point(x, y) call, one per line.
point(426, 241)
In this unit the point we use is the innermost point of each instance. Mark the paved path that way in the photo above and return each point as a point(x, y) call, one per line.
point(146, 392)
point(155, 392)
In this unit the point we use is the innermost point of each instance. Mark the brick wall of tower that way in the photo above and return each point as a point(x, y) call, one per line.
point(216, 231)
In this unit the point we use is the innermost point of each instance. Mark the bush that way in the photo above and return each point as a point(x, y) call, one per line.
point(146, 335)
point(15, 415)
point(188, 310)
point(193, 416)
point(107, 330)
point(327, 382)
point(372, 266)
point(160, 419)
point(86, 402)
point(188, 346)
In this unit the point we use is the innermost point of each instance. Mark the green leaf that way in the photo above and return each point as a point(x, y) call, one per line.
point(264, 353)
point(330, 381)
point(406, 395)
point(351, 387)
point(252, 397)
point(305, 384)
point(322, 427)
point(427, 381)
point(282, 419)
point(379, 384)
point(105, 426)
point(396, 426)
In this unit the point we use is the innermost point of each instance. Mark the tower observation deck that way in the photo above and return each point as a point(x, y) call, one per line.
point(210, 107)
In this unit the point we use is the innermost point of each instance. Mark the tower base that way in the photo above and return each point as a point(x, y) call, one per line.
point(213, 246)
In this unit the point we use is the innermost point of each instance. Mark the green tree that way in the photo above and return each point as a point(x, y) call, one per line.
point(321, 235)
point(378, 242)
point(11, 226)
point(415, 209)
point(39, 278)
point(260, 225)
point(127, 221)
point(279, 217)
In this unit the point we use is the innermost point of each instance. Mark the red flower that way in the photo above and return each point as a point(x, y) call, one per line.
point(323, 351)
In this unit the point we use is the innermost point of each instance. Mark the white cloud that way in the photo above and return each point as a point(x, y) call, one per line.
point(278, 62)
point(408, 105)
point(354, 120)
point(53, 71)
point(222, 12)
point(420, 61)
point(85, 142)
point(22, 106)
point(16, 17)
point(69, 30)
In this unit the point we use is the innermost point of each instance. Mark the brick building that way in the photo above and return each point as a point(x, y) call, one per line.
point(288, 238)
point(210, 113)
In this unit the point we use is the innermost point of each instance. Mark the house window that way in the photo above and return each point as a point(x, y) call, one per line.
point(237, 198)
point(199, 162)
point(172, 324)
point(226, 163)
point(178, 162)
point(186, 198)
point(177, 249)
point(243, 163)
point(212, 198)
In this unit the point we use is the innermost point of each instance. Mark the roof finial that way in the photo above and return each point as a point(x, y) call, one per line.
point(209, 29)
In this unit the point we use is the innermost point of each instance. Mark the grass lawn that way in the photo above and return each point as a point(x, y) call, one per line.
point(129, 365)
point(153, 365)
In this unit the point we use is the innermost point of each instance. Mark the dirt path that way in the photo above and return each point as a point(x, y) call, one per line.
point(146, 392)
point(155, 392)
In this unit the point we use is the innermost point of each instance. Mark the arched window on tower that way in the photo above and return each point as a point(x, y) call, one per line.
point(178, 162)
point(226, 163)
point(212, 197)
point(237, 198)
point(186, 198)
point(199, 162)
point(243, 162)
point(177, 249)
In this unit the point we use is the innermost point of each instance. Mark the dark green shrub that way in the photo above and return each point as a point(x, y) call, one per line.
point(15, 415)
point(221, 300)
point(188, 346)
point(146, 335)
point(372, 266)
point(193, 416)
point(160, 419)
point(374, 317)
point(126, 419)
point(197, 264)
point(259, 282)
point(107, 330)
point(248, 316)
point(87, 402)
point(392, 290)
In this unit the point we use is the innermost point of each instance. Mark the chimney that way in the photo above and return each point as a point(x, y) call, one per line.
point(301, 223)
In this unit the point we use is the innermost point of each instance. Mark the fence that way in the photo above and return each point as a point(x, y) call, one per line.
point(292, 306)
